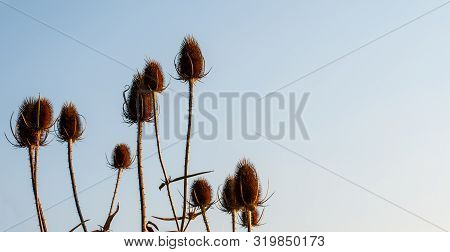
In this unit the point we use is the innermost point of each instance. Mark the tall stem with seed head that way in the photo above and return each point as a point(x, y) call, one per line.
point(35, 193)
point(166, 178)
point(186, 157)
point(141, 176)
point(119, 173)
point(74, 187)
point(205, 220)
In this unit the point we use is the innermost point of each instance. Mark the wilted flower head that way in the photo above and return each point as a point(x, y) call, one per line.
point(190, 62)
point(228, 200)
point(201, 193)
point(138, 103)
point(69, 123)
point(121, 157)
point(153, 76)
point(33, 122)
point(256, 219)
point(247, 186)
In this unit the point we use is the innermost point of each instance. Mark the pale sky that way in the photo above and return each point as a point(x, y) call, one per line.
point(378, 154)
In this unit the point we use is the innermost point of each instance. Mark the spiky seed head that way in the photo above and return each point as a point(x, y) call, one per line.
point(34, 119)
point(247, 186)
point(190, 62)
point(153, 76)
point(25, 134)
point(255, 218)
point(69, 125)
point(37, 113)
point(201, 193)
point(228, 198)
point(121, 157)
point(138, 105)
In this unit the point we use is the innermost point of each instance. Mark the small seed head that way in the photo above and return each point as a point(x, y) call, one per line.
point(247, 186)
point(121, 157)
point(201, 193)
point(153, 76)
point(69, 124)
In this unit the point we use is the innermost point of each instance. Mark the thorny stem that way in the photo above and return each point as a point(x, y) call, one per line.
point(36, 199)
point(74, 187)
point(41, 213)
point(249, 221)
point(119, 173)
point(141, 176)
point(233, 220)
point(186, 157)
point(166, 179)
point(202, 208)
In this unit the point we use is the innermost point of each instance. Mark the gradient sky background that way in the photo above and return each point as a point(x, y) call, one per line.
point(378, 117)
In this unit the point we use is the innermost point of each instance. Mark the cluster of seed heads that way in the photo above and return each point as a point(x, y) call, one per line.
point(240, 193)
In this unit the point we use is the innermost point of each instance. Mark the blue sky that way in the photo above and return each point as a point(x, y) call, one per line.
point(377, 117)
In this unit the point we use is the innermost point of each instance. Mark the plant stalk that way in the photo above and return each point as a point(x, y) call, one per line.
point(186, 157)
point(233, 220)
point(249, 221)
point(141, 176)
point(41, 213)
point(202, 208)
point(36, 199)
point(119, 173)
point(74, 187)
point(166, 178)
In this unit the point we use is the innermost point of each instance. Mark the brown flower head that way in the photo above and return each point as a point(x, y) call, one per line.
point(137, 104)
point(190, 62)
point(33, 122)
point(121, 157)
point(228, 199)
point(153, 76)
point(256, 219)
point(201, 193)
point(247, 186)
point(69, 124)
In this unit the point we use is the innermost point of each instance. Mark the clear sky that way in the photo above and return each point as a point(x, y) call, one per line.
point(378, 117)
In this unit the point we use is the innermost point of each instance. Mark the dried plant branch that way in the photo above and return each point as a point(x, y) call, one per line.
point(166, 179)
point(119, 173)
point(74, 187)
point(181, 178)
point(141, 176)
point(186, 157)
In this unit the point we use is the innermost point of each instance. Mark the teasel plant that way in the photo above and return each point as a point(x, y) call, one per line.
point(153, 78)
point(201, 194)
point(69, 130)
point(190, 67)
point(137, 109)
point(227, 200)
point(34, 120)
point(248, 192)
point(120, 161)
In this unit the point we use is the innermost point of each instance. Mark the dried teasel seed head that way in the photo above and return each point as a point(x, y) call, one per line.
point(138, 103)
point(37, 113)
point(69, 123)
point(228, 199)
point(25, 134)
point(255, 218)
point(153, 76)
point(121, 157)
point(190, 62)
point(201, 193)
point(247, 186)
point(33, 122)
